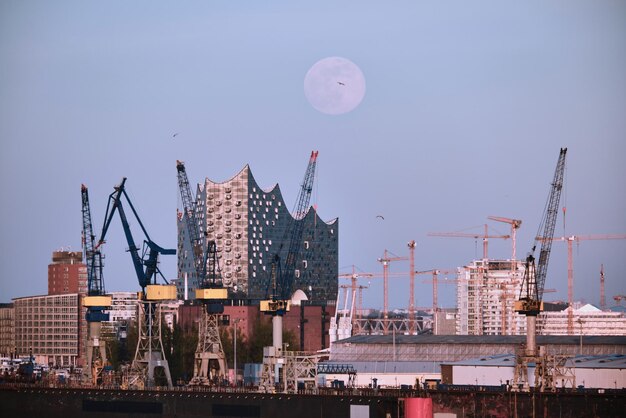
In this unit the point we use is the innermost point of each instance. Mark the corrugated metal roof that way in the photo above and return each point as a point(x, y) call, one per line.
point(482, 339)
point(609, 361)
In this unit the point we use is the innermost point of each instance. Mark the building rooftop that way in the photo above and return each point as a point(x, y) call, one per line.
point(609, 361)
point(482, 339)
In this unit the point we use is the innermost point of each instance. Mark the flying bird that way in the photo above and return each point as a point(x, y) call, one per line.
point(380, 216)
point(340, 83)
point(174, 136)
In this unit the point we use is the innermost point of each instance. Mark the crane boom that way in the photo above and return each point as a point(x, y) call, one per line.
point(535, 276)
point(191, 221)
point(144, 278)
point(93, 256)
point(297, 227)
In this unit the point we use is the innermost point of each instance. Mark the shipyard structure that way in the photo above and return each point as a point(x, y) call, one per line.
point(249, 226)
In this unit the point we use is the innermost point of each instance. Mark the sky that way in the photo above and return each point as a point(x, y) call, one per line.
point(466, 107)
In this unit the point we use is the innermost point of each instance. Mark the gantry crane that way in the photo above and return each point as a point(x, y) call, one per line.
point(282, 277)
point(531, 293)
point(485, 237)
point(570, 268)
point(149, 354)
point(209, 360)
point(96, 301)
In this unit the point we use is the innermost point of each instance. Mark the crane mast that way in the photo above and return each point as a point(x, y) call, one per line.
point(531, 293)
point(96, 300)
point(209, 359)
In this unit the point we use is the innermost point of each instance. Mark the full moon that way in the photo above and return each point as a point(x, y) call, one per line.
point(334, 85)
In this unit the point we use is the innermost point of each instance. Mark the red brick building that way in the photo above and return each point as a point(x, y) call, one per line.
point(309, 323)
point(67, 273)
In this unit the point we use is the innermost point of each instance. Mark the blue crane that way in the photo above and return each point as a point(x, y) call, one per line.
point(283, 275)
point(150, 251)
point(206, 279)
point(96, 300)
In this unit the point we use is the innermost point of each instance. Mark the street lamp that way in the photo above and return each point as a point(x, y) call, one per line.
point(235, 322)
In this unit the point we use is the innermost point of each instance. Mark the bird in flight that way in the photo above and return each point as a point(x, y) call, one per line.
point(174, 136)
point(340, 83)
point(380, 216)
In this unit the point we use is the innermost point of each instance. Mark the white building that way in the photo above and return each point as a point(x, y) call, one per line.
point(486, 294)
point(588, 320)
point(600, 372)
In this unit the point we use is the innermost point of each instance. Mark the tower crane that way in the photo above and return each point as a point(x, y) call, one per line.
point(385, 260)
point(96, 300)
point(282, 277)
point(485, 237)
point(515, 225)
point(209, 359)
point(149, 355)
point(435, 283)
point(570, 267)
point(411, 244)
point(531, 292)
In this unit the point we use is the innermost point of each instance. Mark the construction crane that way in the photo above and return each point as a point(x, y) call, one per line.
point(96, 301)
point(570, 268)
point(435, 273)
point(385, 260)
point(618, 299)
point(485, 237)
point(411, 244)
point(515, 225)
point(209, 359)
point(531, 292)
point(149, 355)
point(602, 295)
point(354, 276)
point(282, 277)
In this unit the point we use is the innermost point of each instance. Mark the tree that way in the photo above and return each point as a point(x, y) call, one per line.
point(181, 354)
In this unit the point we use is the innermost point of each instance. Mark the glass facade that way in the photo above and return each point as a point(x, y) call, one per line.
point(249, 226)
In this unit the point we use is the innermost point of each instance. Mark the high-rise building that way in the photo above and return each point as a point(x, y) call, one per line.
point(486, 294)
point(49, 327)
point(250, 225)
point(67, 273)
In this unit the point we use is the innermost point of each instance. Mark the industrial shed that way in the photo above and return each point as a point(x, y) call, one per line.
point(594, 372)
point(452, 348)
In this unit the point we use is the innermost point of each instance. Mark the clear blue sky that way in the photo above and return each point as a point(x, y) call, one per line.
point(466, 108)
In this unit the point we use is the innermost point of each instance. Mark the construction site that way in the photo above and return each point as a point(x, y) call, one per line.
point(245, 261)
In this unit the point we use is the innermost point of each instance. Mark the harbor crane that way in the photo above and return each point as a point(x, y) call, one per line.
point(149, 354)
point(96, 301)
point(282, 278)
point(530, 300)
point(209, 358)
